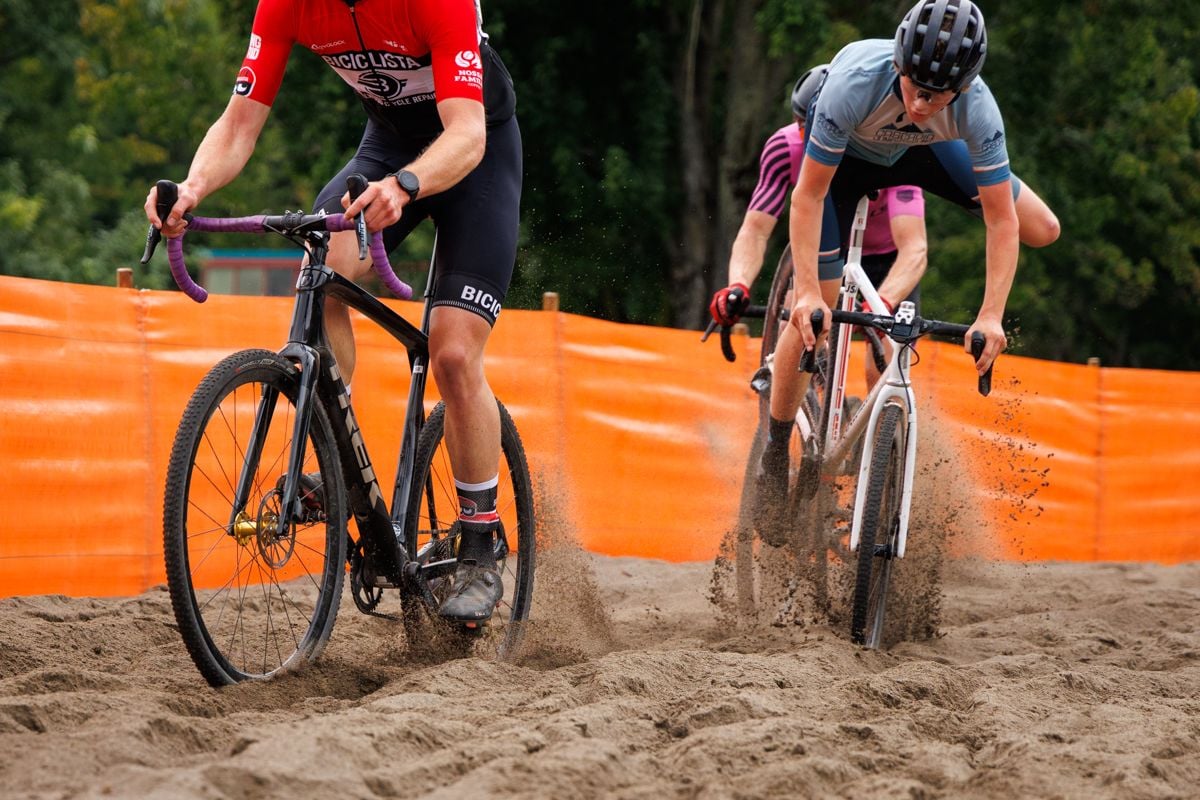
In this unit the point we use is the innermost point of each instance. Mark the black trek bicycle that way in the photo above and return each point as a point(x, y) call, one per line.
point(269, 468)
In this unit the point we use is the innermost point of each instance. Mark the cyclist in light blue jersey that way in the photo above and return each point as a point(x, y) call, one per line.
point(908, 111)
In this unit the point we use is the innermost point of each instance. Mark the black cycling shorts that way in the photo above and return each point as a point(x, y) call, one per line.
point(477, 218)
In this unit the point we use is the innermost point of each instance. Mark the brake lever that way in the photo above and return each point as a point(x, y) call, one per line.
point(726, 341)
point(808, 361)
point(985, 380)
point(168, 194)
point(356, 184)
point(876, 348)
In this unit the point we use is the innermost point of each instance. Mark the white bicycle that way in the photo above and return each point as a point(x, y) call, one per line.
point(862, 521)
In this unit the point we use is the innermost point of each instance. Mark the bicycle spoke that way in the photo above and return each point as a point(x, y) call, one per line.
point(434, 487)
point(236, 590)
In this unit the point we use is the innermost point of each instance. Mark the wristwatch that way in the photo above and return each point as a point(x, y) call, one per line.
point(408, 182)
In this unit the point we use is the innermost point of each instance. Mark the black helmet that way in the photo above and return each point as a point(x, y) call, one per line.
point(805, 88)
point(941, 44)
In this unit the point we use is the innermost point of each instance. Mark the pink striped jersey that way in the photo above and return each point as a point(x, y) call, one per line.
point(779, 166)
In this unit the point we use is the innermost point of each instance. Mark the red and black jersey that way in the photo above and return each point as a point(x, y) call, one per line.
point(400, 56)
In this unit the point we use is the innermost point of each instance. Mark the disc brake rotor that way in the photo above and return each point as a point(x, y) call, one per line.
point(275, 549)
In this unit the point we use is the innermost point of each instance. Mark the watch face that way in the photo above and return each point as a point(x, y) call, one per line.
point(409, 182)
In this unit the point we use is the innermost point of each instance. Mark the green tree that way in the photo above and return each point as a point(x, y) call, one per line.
point(642, 123)
point(1105, 128)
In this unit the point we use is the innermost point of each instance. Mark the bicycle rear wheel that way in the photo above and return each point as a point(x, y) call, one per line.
point(250, 602)
point(778, 301)
point(431, 531)
point(880, 529)
point(768, 581)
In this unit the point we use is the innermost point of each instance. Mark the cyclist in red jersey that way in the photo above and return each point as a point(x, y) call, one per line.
point(441, 141)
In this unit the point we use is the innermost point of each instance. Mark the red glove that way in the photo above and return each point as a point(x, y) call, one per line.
point(867, 306)
point(729, 304)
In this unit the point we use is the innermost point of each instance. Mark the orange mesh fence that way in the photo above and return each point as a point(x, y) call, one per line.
point(637, 436)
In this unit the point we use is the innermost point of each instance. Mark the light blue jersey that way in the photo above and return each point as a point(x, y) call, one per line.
point(859, 111)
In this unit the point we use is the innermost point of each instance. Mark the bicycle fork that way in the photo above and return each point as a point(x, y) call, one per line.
point(290, 505)
point(895, 389)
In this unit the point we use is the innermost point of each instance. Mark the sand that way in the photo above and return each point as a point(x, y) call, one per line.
point(1050, 680)
point(1014, 680)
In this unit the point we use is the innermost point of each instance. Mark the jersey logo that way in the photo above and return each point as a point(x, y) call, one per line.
point(995, 143)
point(484, 300)
point(827, 126)
point(255, 47)
point(244, 84)
point(468, 58)
point(380, 76)
point(909, 134)
point(905, 195)
point(381, 86)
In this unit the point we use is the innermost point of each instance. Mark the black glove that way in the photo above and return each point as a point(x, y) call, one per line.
point(729, 304)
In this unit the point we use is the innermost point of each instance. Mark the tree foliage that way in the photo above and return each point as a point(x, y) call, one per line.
point(642, 121)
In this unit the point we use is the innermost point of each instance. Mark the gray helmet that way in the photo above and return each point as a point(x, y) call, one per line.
point(805, 88)
point(941, 44)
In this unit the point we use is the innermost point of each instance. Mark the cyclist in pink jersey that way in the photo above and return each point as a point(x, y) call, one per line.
point(440, 141)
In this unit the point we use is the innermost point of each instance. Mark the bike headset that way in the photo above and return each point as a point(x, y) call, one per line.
point(941, 44)
point(805, 88)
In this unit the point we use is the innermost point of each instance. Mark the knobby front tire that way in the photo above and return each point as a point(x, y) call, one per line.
point(880, 529)
point(250, 603)
point(432, 533)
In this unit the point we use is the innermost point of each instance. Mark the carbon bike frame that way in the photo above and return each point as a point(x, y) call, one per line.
point(382, 533)
point(385, 561)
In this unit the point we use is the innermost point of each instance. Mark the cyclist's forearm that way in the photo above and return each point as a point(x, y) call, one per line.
point(448, 160)
point(218, 160)
point(1003, 247)
point(456, 151)
point(804, 235)
point(749, 248)
point(905, 274)
point(227, 146)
